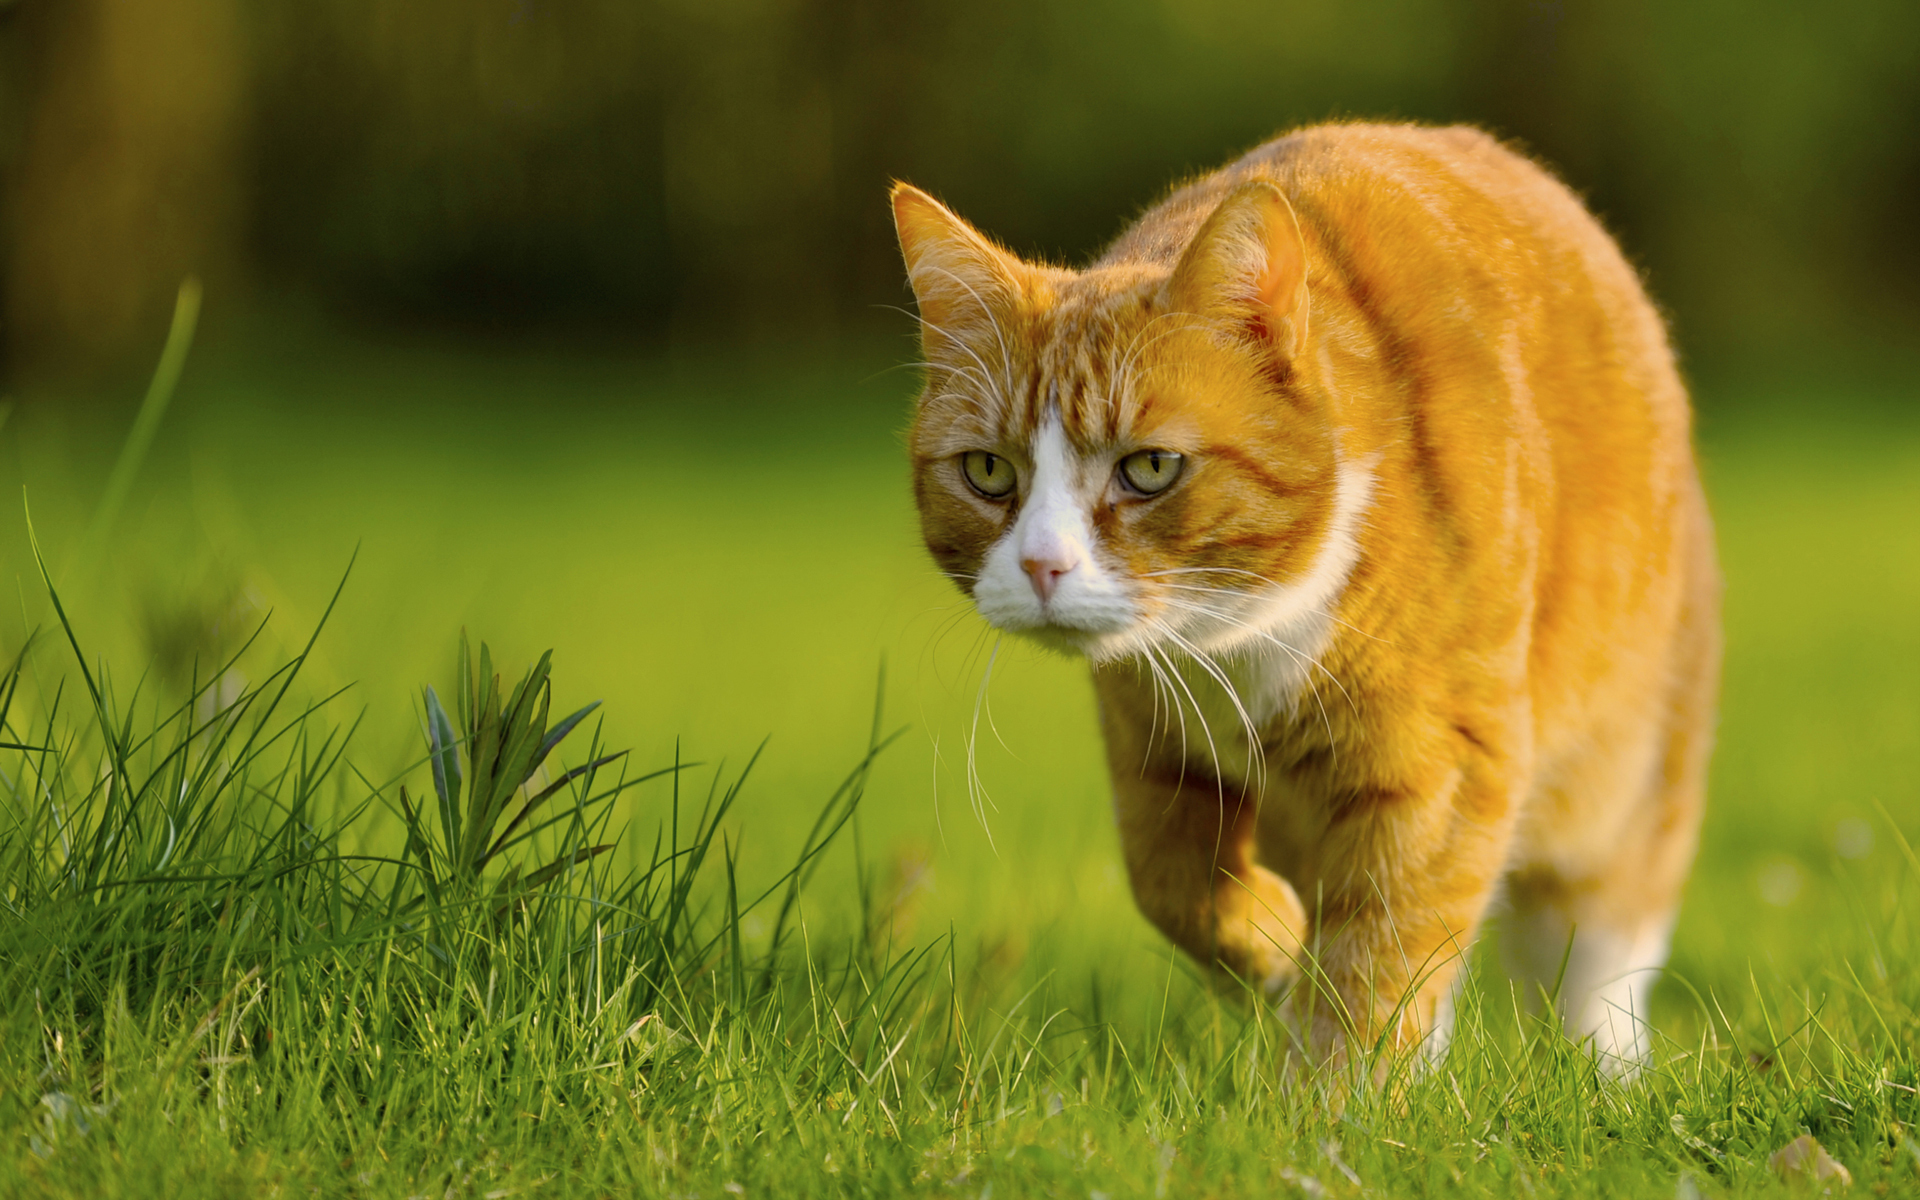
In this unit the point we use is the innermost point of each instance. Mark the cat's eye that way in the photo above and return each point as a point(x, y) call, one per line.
point(989, 474)
point(1151, 472)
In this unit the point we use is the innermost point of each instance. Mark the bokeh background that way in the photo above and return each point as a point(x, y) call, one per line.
point(581, 322)
point(680, 172)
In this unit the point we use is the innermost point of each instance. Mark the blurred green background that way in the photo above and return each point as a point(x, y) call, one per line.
point(579, 321)
point(664, 173)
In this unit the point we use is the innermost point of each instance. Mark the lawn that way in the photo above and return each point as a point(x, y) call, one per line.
point(963, 1001)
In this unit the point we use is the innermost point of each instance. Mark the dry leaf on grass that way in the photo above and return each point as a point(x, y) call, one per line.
point(1804, 1156)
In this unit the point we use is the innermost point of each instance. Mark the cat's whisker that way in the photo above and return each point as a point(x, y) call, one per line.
point(976, 374)
point(1133, 344)
point(1299, 655)
point(951, 623)
point(1154, 654)
point(1256, 761)
point(1237, 595)
point(1136, 349)
point(1231, 619)
point(979, 407)
point(1163, 695)
point(1126, 383)
point(979, 382)
point(966, 660)
point(982, 648)
point(1135, 379)
point(993, 323)
point(1153, 722)
point(966, 375)
point(1205, 571)
point(939, 824)
point(1139, 377)
point(955, 614)
point(1313, 689)
point(925, 364)
point(1320, 612)
point(1140, 344)
point(984, 375)
point(1161, 684)
point(973, 648)
point(1213, 748)
point(979, 370)
point(976, 788)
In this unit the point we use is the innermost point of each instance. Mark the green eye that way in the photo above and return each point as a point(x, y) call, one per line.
point(990, 475)
point(1151, 472)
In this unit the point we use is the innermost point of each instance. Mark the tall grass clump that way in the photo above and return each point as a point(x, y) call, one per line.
point(206, 902)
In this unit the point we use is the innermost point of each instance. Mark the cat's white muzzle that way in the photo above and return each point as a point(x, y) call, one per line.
point(1044, 577)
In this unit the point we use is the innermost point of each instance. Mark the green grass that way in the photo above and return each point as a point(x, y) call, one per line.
point(279, 1001)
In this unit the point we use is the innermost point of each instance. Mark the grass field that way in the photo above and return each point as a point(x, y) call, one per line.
point(961, 1003)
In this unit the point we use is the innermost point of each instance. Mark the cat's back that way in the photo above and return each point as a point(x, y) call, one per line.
point(1444, 235)
point(1426, 181)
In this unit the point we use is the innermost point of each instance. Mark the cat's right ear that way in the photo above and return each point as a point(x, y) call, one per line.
point(960, 279)
point(1248, 264)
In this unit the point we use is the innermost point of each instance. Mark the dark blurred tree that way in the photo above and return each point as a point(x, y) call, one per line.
point(481, 161)
point(124, 173)
point(694, 170)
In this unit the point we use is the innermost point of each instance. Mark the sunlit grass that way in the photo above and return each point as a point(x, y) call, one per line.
point(726, 555)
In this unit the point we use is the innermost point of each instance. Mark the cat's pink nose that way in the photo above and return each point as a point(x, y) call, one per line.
point(1046, 574)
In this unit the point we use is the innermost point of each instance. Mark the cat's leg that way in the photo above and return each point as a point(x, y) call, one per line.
point(1385, 976)
point(1595, 958)
point(1592, 916)
point(1440, 1034)
point(1188, 842)
point(1405, 879)
point(1592, 930)
point(1188, 838)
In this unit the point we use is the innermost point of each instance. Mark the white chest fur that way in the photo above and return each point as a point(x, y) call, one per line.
point(1243, 660)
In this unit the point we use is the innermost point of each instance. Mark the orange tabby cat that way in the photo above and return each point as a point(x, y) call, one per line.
point(1360, 472)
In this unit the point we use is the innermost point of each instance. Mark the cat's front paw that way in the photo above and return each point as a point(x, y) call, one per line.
point(1261, 927)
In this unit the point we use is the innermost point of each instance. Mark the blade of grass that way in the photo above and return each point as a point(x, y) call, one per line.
point(146, 423)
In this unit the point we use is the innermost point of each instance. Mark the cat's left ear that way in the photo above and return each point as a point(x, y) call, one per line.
point(960, 278)
point(1248, 263)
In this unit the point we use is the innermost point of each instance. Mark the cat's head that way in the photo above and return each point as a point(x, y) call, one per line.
point(1130, 456)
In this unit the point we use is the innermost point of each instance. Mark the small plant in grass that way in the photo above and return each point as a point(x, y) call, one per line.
point(505, 747)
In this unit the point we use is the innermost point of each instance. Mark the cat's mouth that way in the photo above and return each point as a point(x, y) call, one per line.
point(1065, 639)
point(1118, 628)
point(1098, 638)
